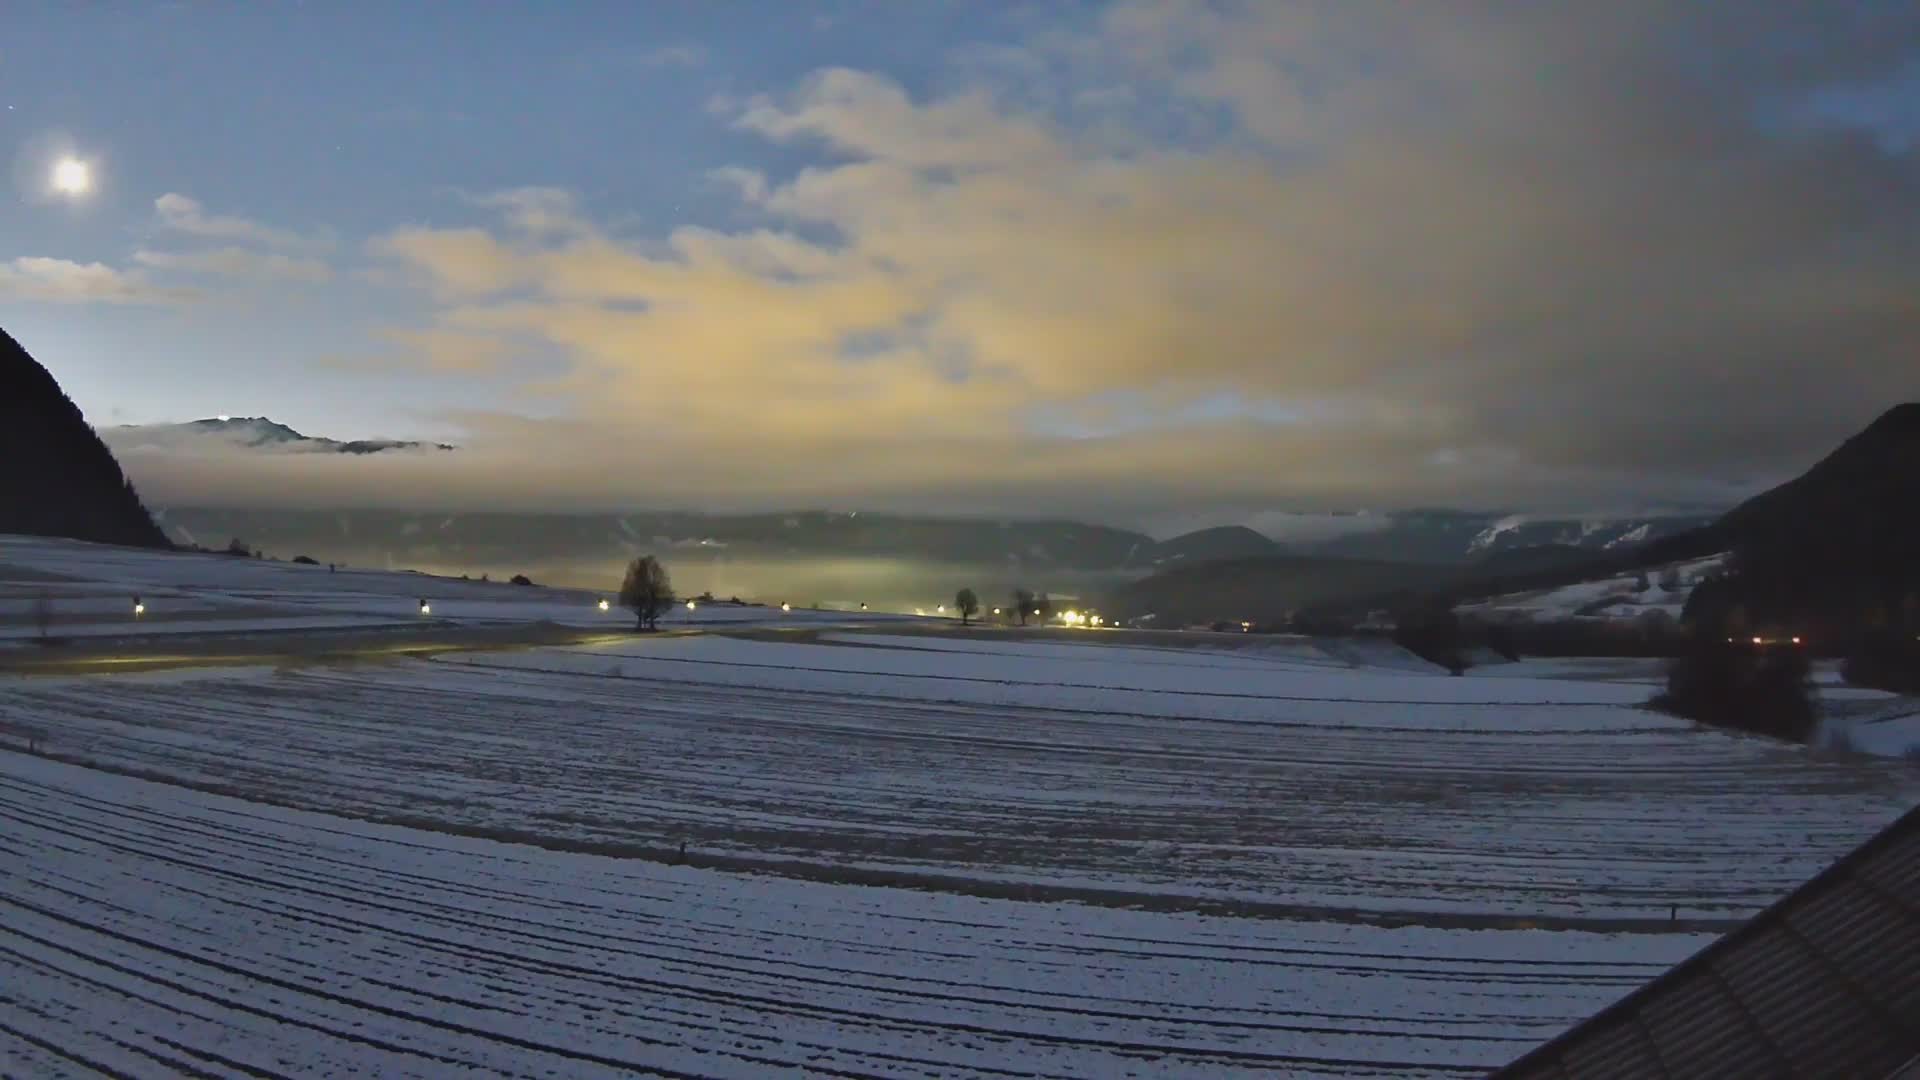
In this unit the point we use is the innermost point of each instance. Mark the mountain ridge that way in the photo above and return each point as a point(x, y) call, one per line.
point(57, 477)
point(252, 433)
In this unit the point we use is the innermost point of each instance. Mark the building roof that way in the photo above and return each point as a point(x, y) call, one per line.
point(1826, 982)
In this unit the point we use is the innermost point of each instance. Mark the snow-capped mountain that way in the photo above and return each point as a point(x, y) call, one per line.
point(249, 432)
point(1456, 536)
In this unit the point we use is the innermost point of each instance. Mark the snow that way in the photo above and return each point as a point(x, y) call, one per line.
point(1195, 777)
point(1864, 721)
point(1579, 600)
point(912, 852)
point(1490, 535)
point(91, 588)
point(1164, 683)
point(148, 927)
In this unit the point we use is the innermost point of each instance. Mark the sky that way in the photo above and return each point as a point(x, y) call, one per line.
point(1122, 261)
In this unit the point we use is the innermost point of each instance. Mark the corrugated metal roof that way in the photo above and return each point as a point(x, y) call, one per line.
point(1825, 983)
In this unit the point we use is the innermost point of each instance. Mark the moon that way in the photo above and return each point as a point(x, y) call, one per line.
point(72, 177)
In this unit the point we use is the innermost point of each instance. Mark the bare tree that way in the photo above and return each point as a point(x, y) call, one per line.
point(1022, 604)
point(968, 603)
point(647, 591)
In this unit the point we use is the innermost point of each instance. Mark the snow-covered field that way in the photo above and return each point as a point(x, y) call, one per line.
point(154, 931)
point(911, 853)
point(1148, 772)
point(90, 590)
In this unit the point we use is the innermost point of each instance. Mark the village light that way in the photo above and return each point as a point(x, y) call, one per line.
point(691, 606)
point(786, 607)
point(1758, 641)
point(996, 611)
point(1796, 640)
point(425, 608)
point(942, 609)
point(139, 608)
point(604, 606)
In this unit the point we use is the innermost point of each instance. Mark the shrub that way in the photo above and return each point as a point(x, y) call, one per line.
point(306, 560)
point(521, 579)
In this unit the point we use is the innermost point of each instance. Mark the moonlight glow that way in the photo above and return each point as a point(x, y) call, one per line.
point(72, 177)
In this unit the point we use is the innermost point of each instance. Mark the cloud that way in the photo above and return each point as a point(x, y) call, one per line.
point(1346, 255)
point(749, 184)
point(677, 56)
point(181, 214)
point(433, 351)
point(65, 281)
point(238, 262)
point(454, 261)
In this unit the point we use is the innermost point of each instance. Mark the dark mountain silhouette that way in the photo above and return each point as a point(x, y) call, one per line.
point(1838, 546)
point(1208, 545)
point(1265, 589)
point(1835, 551)
point(56, 476)
point(1464, 537)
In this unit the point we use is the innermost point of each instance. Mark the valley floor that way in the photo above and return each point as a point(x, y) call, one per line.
point(150, 930)
point(907, 854)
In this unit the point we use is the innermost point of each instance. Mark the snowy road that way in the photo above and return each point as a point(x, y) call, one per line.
point(146, 930)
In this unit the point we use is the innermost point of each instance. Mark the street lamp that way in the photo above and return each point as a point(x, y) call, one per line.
point(139, 608)
point(691, 606)
point(786, 607)
point(425, 608)
point(604, 606)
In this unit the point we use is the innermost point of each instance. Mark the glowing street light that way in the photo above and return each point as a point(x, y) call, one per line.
point(604, 606)
point(863, 605)
point(785, 607)
point(942, 609)
point(996, 611)
point(139, 608)
point(426, 608)
point(1758, 640)
point(692, 606)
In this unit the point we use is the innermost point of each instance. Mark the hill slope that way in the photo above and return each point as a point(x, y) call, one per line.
point(1841, 541)
point(56, 477)
point(1266, 588)
point(1208, 545)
